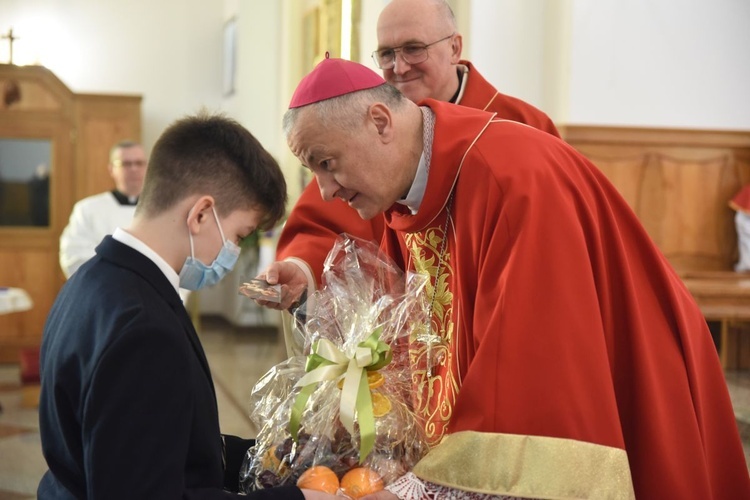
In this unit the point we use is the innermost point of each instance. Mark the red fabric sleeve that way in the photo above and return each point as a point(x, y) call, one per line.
point(313, 225)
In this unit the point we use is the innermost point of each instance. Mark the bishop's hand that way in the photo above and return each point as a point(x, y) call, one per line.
point(293, 283)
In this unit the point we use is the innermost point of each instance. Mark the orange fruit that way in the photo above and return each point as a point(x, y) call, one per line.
point(361, 481)
point(381, 405)
point(374, 380)
point(319, 478)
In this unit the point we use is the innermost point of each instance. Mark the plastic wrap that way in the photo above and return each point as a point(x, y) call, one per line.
point(341, 417)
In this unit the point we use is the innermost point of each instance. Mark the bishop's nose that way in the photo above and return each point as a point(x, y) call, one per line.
point(328, 186)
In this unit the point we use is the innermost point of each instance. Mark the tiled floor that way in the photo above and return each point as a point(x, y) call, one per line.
point(238, 358)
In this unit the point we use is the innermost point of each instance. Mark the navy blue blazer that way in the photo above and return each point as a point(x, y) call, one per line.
point(127, 407)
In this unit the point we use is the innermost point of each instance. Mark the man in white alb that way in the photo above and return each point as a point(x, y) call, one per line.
point(96, 216)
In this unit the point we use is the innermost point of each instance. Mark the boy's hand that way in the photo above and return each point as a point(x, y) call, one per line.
point(319, 495)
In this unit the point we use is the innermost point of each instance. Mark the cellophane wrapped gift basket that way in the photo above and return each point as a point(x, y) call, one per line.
point(339, 419)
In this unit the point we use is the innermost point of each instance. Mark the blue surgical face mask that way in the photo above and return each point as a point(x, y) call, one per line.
point(194, 274)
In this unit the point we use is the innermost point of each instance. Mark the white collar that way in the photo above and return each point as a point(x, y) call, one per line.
point(416, 193)
point(465, 78)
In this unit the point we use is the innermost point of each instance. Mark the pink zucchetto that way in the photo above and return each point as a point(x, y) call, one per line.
point(333, 78)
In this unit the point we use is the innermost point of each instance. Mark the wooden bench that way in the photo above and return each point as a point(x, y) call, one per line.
point(723, 297)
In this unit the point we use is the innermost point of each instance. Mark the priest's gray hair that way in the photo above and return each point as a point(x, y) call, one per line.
point(348, 111)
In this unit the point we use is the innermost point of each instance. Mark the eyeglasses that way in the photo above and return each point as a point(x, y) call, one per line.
point(129, 163)
point(411, 53)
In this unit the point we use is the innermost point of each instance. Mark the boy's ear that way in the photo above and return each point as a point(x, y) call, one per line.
point(199, 212)
point(380, 115)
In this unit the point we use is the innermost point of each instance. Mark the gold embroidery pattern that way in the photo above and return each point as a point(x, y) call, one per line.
point(436, 395)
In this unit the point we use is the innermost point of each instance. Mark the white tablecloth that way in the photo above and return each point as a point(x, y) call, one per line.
point(14, 300)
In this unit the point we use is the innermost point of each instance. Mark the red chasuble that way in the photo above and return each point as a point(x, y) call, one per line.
point(313, 224)
point(480, 94)
point(572, 362)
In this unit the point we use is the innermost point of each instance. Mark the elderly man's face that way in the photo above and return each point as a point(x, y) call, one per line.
point(412, 22)
point(353, 165)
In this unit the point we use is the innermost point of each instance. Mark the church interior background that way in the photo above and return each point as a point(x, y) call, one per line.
point(678, 89)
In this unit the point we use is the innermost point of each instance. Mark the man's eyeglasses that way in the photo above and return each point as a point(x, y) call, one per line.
point(411, 53)
point(129, 163)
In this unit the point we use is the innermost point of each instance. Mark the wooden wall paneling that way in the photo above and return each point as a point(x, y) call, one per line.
point(100, 122)
point(651, 202)
point(742, 167)
point(678, 182)
point(625, 168)
point(661, 139)
point(696, 224)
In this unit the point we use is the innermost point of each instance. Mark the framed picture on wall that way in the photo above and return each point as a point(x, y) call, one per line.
point(230, 56)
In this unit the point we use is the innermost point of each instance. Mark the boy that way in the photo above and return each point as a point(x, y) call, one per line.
point(128, 408)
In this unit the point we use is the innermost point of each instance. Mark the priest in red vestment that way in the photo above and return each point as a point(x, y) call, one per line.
point(564, 358)
point(406, 28)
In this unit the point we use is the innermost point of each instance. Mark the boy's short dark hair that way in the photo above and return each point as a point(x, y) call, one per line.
point(212, 154)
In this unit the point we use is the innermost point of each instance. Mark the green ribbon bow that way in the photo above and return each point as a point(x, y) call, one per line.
point(327, 362)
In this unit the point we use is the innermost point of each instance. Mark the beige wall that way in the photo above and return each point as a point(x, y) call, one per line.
point(596, 61)
point(662, 63)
